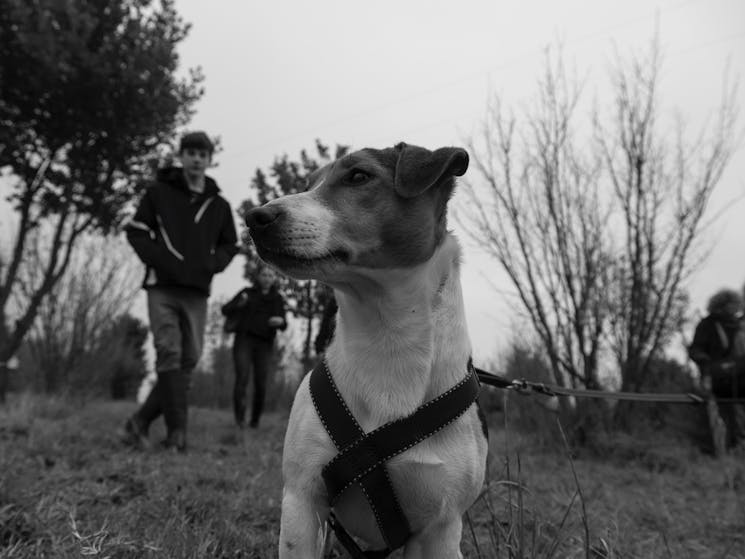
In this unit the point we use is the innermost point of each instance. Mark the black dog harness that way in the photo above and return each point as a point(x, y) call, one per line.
point(362, 456)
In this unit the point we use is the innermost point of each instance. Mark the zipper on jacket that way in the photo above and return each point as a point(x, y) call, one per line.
point(167, 240)
point(203, 208)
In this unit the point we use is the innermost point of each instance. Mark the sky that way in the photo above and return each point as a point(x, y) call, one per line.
point(371, 74)
point(281, 74)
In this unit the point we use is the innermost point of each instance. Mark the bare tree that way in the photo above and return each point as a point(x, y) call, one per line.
point(98, 286)
point(662, 185)
point(597, 233)
point(537, 210)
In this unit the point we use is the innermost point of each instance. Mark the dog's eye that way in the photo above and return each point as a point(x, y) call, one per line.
point(357, 177)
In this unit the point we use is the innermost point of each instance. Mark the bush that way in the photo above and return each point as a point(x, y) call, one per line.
point(526, 413)
point(584, 421)
point(677, 422)
point(114, 366)
point(128, 336)
point(212, 387)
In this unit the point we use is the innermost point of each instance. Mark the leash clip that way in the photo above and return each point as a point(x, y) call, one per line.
point(521, 386)
point(526, 387)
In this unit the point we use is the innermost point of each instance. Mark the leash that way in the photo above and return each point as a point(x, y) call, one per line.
point(529, 387)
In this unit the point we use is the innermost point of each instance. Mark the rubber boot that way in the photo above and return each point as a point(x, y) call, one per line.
point(256, 409)
point(152, 407)
point(134, 434)
point(174, 398)
point(136, 429)
point(239, 406)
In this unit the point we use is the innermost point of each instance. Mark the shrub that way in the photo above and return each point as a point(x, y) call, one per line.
point(676, 422)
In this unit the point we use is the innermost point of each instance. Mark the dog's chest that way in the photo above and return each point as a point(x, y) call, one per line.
point(424, 486)
point(431, 480)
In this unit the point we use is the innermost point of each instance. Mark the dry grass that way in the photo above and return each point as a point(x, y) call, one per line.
point(69, 489)
point(650, 499)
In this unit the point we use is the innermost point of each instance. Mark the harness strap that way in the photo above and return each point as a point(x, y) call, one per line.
point(338, 421)
point(343, 429)
point(354, 550)
point(362, 458)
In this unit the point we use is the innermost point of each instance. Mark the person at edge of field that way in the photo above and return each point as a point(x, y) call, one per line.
point(718, 349)
point(184, 233)
point(260, 312)
point(327, 326)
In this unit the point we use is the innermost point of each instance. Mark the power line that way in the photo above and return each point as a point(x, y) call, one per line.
point(707, 44)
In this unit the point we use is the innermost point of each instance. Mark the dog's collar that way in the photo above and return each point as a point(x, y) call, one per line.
point(362, 456)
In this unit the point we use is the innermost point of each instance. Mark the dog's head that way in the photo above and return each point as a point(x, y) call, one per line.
point(371, 209)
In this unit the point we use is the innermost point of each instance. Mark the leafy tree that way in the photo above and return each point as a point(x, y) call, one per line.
point(305, 298)
point(88, 89)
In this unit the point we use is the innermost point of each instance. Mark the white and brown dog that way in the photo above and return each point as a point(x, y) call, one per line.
point(373, 226)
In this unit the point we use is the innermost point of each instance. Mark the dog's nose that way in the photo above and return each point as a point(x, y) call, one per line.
point(262, 216)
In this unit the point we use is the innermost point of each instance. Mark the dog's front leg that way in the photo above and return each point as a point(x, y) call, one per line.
point(438, 541)
point(302, 528)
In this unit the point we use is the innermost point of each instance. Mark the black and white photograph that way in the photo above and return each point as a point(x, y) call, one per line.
point(402, 279)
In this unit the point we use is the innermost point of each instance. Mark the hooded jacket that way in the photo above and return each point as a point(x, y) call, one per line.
point(717, 339)
point(254, 309)
point(182, 237)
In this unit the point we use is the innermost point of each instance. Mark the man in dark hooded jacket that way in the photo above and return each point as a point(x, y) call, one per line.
point(183, 231)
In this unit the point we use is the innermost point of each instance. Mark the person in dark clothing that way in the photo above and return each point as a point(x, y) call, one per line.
point(183, 231)
point(718, 349)
point(261, 312)
point(328, 324)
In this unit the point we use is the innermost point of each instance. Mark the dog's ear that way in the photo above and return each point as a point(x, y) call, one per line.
point(418, 168)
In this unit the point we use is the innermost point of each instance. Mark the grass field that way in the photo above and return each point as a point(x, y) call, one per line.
point(69, 489)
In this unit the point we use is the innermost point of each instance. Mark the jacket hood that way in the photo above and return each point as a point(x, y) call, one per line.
point(175, 177)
